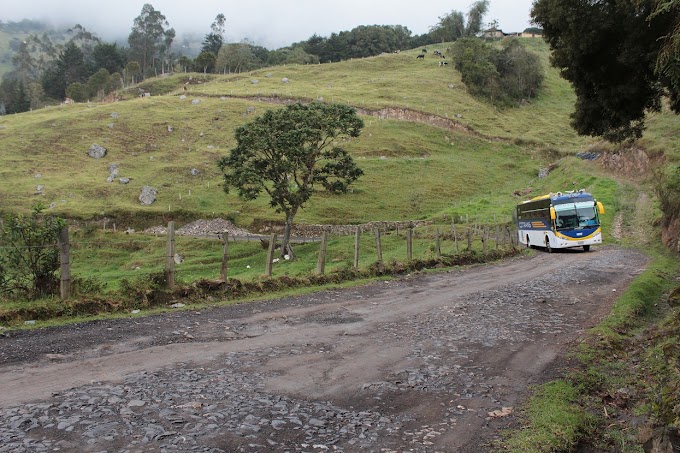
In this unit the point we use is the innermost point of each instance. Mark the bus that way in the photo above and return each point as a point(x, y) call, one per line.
point(560, 220)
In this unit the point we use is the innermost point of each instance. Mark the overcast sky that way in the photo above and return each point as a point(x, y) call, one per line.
point(269, 23)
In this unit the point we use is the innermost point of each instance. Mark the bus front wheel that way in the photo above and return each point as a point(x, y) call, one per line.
point(547, 245)
point(586, 248)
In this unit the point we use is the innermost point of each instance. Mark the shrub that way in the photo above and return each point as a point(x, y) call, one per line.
point(77, 92)
point(29, 258)
point(506, 76)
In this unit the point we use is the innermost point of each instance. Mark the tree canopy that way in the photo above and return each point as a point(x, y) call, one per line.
point(286, 152)
point(505, 76)
point(213, 41)
point(614, 53)
point(452, 26)
point(150, 39)
point(67, 69)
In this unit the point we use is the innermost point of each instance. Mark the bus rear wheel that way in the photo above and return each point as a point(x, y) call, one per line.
point(528, 244)
point(586, 248)
point(547, 245)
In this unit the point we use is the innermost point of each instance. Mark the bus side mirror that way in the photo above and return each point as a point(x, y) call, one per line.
point(553, 214)
point(600, 208)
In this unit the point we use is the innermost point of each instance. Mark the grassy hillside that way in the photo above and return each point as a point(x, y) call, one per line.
point(412, 170)
point(402, 81)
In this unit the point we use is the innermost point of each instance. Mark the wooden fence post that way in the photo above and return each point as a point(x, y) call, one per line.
point(65, 259)
point(484, 238)
point(513, 238)
point(225, 257)
point(438, 244)
point(170, 257)
point(469, 239)
point(270, 255)
point(455, 238)
point(409, 244)
point(378, 245)
point(321, 262)
point(357, 236)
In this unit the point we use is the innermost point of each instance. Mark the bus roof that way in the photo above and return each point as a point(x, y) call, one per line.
point(563, 197)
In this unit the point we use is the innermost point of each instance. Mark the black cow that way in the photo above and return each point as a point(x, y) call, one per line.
point(421, 56)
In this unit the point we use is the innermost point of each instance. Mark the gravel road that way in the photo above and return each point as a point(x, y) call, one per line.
point(416, 364)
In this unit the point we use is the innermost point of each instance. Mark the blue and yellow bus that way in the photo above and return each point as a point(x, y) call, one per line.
point(560, 220)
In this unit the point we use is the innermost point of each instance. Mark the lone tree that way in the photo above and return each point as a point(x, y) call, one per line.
point(286, 152)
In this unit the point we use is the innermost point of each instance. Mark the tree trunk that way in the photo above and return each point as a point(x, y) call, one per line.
point(286, 248)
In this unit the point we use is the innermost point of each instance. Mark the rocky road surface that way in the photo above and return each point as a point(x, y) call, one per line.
point(416, 364)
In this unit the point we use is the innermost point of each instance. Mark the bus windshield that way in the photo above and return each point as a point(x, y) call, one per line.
point(576, 215)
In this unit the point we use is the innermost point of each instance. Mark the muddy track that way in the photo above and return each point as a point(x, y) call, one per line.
point(415, 364)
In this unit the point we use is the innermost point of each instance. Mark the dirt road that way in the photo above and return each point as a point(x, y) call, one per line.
point(409, 365)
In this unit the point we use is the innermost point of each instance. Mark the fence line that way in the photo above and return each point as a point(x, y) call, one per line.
point(491, 236)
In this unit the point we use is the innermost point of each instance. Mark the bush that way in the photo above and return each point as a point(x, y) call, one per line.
point(77, 92)
point(505, 76)
point(520, 71)
point(29, 258)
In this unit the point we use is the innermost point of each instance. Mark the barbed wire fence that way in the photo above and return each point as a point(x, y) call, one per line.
point(463, 235)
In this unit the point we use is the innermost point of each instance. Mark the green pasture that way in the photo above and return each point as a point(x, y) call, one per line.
point(111, 257)
point(411, 170)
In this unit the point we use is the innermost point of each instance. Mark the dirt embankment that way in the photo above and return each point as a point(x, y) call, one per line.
point(424, 364)
point(631, 162)
point(635, 163)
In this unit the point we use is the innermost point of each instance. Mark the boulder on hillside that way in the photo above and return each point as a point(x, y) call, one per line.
point(148, 195)
point(96, 151)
